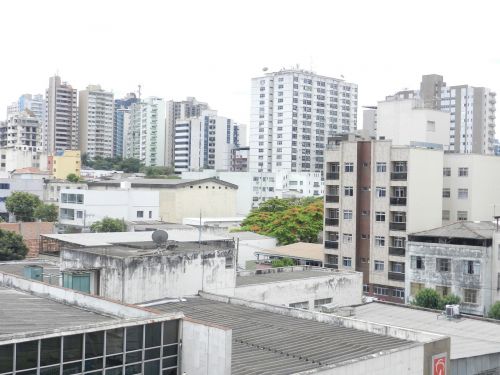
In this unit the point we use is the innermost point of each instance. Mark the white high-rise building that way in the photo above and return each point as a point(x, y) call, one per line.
point(146, 133)
point(96, 112)
point(21, 131)
point(12, 109)
point(293, 112)
point(206, 142)
point(184, 110)
point(34, 103)
point(61, 131)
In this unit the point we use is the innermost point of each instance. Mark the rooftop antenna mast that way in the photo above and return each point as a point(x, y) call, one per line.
point(139, 91)
point(495, 216)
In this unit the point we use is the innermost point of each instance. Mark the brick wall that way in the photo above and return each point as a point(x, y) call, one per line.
point(31, 233)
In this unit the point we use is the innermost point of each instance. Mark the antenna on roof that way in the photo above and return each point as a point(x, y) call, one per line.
point(495, 216)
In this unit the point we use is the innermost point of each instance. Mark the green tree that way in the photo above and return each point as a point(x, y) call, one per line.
point(428, 298)
point(129, 165)
point(109, 225)
point(494, 312)
point(450, 299)
point(46, 212)
point(288, 220)
point(12, 246)
point(283, 262)
point(73, 178)
point(158, 172)
point(22, 205)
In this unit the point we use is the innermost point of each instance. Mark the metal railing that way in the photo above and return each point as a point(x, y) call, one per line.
point(397, 251)
point(332, 198)
point(331, 221)
point(331, 244)
point(399, 176)
point(397, 276)
point(398, 201)
point(332, 175)
point(397, 226)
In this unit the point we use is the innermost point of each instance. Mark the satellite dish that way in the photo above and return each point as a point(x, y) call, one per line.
point(160, 237)
point(264, 69)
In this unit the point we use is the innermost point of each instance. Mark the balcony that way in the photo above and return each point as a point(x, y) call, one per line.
point(332, 175)
point(331, 221)
point(397, 226)
point(397, 251)
point(398, 201)
point(396, 276)
point(399, 176)
point(331, 244)
point(332, 199)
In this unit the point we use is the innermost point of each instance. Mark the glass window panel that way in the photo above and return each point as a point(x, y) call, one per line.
point(72, 368)
point(28, 372)
point(134, 338)
point(93, 364)
point(73, 347)
point(152, 368)
point(133, 369)
point(52, 370)
point(114, 341)
point(27, 355)
point(114, 360)
point(6, 356)
point(114, 371)
point(169, 350)
point(50, 351)
point(170, 332)
point(172, 371)
point(94, 373)
point(170, 362)
point(134, 357)
point(94, 344)
point(152, 353)
point(153, 335)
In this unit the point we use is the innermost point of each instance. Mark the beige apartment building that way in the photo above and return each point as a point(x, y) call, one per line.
point(375, 194)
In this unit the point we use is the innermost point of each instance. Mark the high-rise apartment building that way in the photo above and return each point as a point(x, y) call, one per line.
point(12, 109)
point(34, 103)
point(121, 122)
point(21, 131)
point(206, 142)
point(375, 194)
point(180, 110)
point(61, 131)
point(96, 111)
point(369, 121)
point(293, 112)
point(146, 134)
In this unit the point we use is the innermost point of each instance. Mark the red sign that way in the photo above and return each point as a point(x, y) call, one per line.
point(439, 364)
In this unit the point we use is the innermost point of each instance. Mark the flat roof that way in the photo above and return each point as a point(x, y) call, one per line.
point(17, 268)
point(477, 230)
point(25, 313)
point(274, 277)
point(270, 343)
point(302, 250)
point(248, 236)
point(107, 239)
point(469, 337)
point(169, 183)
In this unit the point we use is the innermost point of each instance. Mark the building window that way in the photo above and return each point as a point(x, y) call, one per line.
point(348, 191)
point(347, 214)
point(378, 265)
point(381, 167)
point(347, 238)
point(379, 241)
point(470, 296)
point(416, 287)
point(72, 198)
point(348, 167)
point(472, 267)
point(398, 293)
point(366, 288)
point(446, 172)
point(379, 216)
point(397, 267)
point(463, 172)
point(446, 193)
point(461, 215)
point(4, 186)
point(380, 191)
point(347, 261)
point(323, 301)
point(417, 262)
point(79, 214)
point(445, 215)
point(380, 291)
point(463, 193)
point(140, 214)
point(67, 214)
point(443, 264)
point(398, 242)
point(300, 305)
point(442, 290)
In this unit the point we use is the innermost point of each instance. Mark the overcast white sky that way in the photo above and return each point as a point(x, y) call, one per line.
point(211, 49)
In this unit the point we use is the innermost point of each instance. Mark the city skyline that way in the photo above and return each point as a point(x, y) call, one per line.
point(235, 48)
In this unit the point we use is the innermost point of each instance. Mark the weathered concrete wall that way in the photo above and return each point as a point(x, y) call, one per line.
point(344, 289)
point(476, 365)
point(206, 349)
point(140, 279)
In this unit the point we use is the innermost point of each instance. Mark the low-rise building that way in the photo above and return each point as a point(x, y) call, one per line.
point(81, 208)
point(52, 189)
point(10, 185)
point(180, 198)
point(302, 253)
point(457, 259)
point(12, 159)
point(63, 163)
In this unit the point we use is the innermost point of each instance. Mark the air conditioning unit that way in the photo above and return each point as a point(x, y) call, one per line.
point(452, 311)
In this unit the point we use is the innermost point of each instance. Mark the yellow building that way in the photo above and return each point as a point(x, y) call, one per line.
point(64, 163)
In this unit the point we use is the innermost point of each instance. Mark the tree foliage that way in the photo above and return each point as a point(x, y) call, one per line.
point(72, 177)
point(46, 212)
point(128, 165)
point(23, 205)
point(289, 220)
point(283, 262)
point(12, 246)
point(494, 312)
point(109, 225)
point(431, 299)
point(158, 172)
point(450, 299)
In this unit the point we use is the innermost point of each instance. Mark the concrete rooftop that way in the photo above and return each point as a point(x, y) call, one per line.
point(301, 250)
point(275, 344)
point(281, 276)
point(469, 337)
